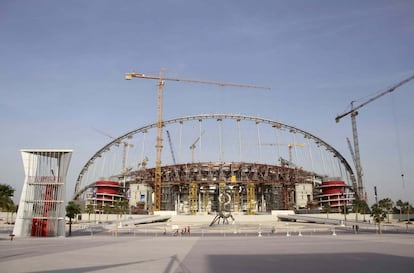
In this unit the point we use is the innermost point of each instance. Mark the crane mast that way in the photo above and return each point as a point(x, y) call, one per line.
point(357, 157)
point(354, 113)
point(171, 147)
point(158, 146)
point(351, 150)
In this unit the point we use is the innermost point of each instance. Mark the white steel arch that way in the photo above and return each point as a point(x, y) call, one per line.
point(82, 185)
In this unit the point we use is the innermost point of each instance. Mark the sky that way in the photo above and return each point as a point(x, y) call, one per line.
point(62, 66)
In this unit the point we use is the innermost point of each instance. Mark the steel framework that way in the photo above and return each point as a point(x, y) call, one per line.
point(271, 186)
point(41, 210)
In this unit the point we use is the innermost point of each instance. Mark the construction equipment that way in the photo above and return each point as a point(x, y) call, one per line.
point(287, 163)
point(251, 198)
point(161, 81)
point(354, 113)
point(351, 150)
point(193, 197)
point(192, 147)
point(171, 147)
point(289, 145)
point(125, 151)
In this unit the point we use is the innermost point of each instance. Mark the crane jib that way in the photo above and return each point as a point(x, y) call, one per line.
point(389, 90)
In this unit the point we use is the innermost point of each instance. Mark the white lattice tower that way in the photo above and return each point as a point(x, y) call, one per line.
point(42, 203)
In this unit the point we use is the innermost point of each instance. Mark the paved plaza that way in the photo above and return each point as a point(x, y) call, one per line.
point(210, 251)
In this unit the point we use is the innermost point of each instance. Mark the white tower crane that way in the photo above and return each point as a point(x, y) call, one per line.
point(354, 113)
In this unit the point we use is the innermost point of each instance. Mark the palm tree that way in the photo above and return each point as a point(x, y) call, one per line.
point(89, 209)
point(6, 194)
point(72, 209)
point(359, 206)
point(6, 202)
point(327, 208)
point(400, 206)
point(345, 211)
point(406, 207)
point(120, 206)
point(379, 214)
point(100, 208)
point(107, 210)
point(386, 204)
point(11, 208)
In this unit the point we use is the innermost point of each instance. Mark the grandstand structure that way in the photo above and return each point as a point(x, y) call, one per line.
point(218, 162)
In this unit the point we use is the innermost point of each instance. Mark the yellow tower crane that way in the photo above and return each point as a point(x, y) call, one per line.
point(289, 145)
point(161, 81)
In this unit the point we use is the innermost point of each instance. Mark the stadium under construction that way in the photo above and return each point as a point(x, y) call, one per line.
point(211, 186)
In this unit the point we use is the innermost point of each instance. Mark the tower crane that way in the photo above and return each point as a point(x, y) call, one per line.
point(193, 146)
point(161, 81)
point(125, 151)
point(171, 147)
point(351, 150)
point(289, 145)
point(353, 112)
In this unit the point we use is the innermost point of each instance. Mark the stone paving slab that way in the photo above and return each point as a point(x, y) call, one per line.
point(246, 246)
point(168, 254)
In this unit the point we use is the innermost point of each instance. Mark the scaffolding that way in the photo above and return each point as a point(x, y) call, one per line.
point(193, 198)
point(251, 198)
point(207, 187)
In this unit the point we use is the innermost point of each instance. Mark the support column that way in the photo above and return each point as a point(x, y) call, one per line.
point(251, 198)
point(193, 198)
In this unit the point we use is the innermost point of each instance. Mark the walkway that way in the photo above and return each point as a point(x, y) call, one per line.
point(342, 253)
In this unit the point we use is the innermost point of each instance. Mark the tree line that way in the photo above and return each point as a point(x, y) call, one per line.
point(119, 207)
point(380, 211)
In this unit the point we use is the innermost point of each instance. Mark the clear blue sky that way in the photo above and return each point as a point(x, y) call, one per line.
point(62, 66)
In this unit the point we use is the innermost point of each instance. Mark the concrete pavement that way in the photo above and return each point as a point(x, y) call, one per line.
point(251, 244)
point(344, 252)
